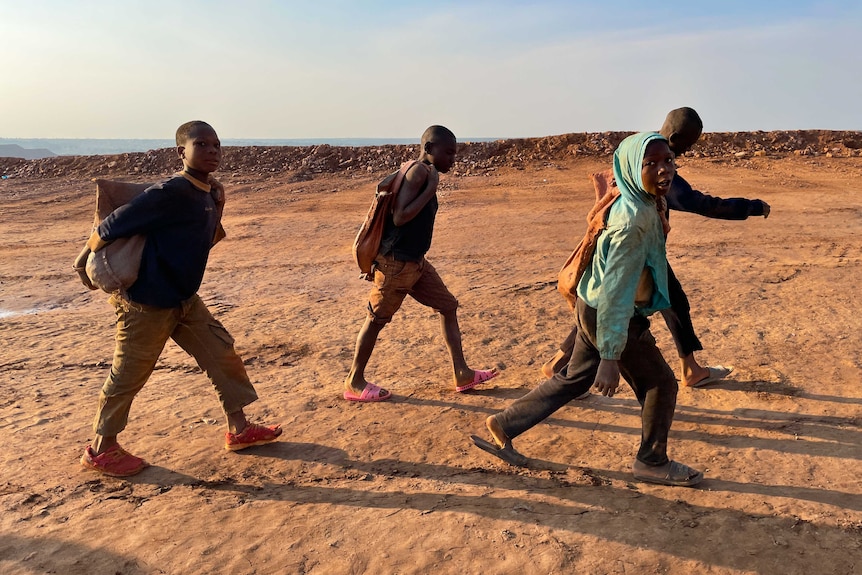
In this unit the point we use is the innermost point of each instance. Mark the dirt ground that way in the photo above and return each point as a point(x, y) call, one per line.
point(398, 487)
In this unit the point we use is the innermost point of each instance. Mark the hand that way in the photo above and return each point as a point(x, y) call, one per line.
point(80, 267)
point(217, 189)
point(607, 377)
point(85, 279)
point(765, 209)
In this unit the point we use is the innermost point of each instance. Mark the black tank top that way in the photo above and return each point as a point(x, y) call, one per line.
point(411, 241)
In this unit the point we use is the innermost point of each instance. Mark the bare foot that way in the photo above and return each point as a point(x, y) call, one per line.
point(713, 374)
point(500, 437)
point(692, 371)
point(502, 446)
point(693, 375)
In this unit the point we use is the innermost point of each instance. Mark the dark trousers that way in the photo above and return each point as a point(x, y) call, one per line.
point(641, 365)
point(677, 318)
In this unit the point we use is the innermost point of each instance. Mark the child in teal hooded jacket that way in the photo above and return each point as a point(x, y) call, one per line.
point(625, 283)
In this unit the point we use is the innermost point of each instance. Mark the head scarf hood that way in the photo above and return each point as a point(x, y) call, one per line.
point(630, 248)
point(628, 162)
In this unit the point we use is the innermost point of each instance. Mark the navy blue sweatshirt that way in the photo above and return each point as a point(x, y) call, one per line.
point(683, 198)
point(179, 219)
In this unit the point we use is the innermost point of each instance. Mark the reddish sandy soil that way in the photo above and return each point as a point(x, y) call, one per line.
point(398, 487)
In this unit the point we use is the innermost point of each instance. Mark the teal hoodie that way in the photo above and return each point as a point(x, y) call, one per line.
point(633, 241)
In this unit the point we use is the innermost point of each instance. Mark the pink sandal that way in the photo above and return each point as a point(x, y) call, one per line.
point(369, 393)
point(479, 376)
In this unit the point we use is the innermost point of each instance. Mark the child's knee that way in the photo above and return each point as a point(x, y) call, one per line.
point(449, 309)
point(376, 319)
point(667, 385)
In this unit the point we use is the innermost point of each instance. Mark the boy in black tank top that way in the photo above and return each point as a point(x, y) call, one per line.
point(403, 270)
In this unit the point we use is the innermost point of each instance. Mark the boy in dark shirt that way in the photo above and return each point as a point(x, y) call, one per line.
point(179, 218)
point(403, 270)
point(682, 127)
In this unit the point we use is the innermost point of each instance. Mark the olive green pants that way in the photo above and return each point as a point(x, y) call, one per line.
point(142, 332)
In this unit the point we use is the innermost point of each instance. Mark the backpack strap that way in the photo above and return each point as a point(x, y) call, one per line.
point(366, 246)
point(394, 185)
point(571, 272)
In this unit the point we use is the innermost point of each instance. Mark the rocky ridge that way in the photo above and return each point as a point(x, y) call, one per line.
point(474, 158)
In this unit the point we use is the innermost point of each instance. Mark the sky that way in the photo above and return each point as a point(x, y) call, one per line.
point(388, 69)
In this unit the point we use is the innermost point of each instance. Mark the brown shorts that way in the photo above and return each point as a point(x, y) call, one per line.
point(394, 280)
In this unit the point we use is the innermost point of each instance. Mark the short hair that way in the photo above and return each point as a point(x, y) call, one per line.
point(435, 133)
point(679, 119)
point(184, 130)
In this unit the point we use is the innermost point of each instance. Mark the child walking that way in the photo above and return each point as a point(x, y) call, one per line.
point(683, 127)
point(179, 218)
point(624, 284)
point(402, 270)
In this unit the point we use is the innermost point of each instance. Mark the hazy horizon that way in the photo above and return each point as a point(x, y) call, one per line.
point(97, 69)
point(108, 146)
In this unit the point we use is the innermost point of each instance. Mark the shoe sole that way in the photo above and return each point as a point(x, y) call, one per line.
point(92, 467)
point(506, 454)
point(691, 482)
point(240, 446)
point(668, 479)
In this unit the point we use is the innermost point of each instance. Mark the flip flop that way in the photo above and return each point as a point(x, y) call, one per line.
point(671, 473)
point(479, 376)
point(507, 453)
point(370, 393)
point(716, 373)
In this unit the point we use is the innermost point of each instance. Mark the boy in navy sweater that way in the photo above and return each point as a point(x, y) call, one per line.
point(179, 218)
point(683, 128)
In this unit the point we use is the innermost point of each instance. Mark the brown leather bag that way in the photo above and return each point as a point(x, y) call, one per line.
point(571, 272)
point(115, 267)
point(367, 242)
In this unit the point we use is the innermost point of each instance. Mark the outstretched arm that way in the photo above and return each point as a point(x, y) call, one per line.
point(683, 198)
point(417, 189)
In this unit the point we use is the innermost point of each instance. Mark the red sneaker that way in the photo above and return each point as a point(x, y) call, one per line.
point(253, 434)
point(116, 462)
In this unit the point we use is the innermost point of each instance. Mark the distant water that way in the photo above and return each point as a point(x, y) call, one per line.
point(4, 313)
point(92, 147)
